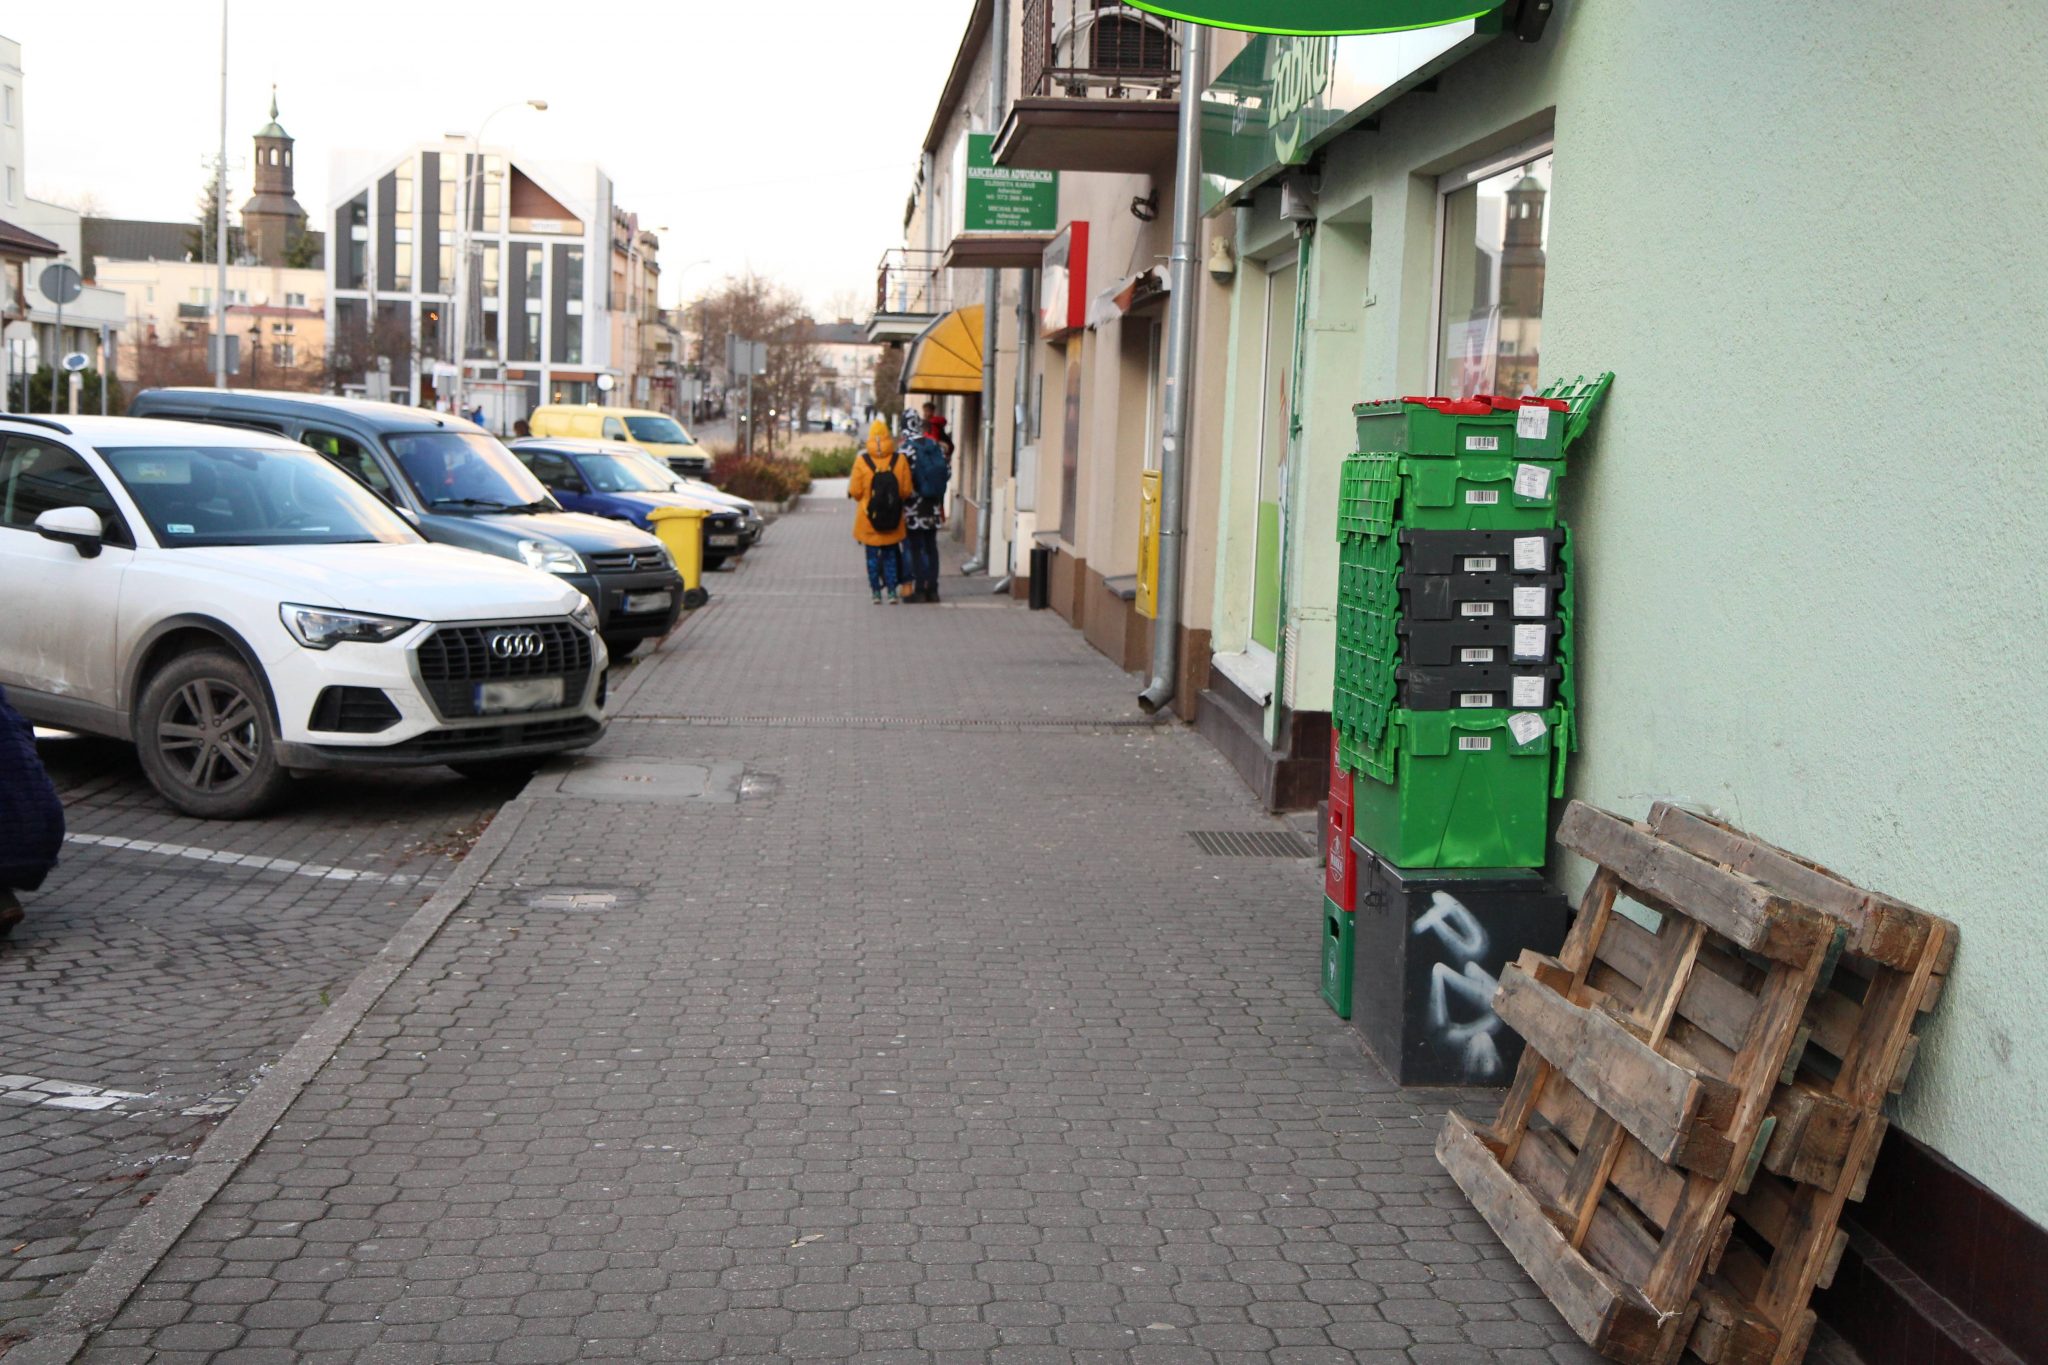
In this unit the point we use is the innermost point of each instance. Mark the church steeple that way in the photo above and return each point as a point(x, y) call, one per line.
point(272, 219)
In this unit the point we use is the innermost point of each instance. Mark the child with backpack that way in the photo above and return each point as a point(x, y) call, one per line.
point(930, 472)
point(880, 488)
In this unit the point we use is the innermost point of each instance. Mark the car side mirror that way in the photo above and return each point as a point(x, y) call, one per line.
point(78, 527)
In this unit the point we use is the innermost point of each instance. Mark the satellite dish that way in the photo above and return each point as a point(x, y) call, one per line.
point(604, 383)
point(60, 284)
point(75, 362)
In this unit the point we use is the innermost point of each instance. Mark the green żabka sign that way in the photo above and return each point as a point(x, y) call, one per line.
point(1284, 94)
point(1007, 198)
point(1319, 17)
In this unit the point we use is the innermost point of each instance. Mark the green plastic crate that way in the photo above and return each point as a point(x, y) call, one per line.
point(1363, 758)
point(1582, 397)
point(1367, 489)
point(1478, 493)
point(1464, 791)
point(1404, 426)
point(1336, 935)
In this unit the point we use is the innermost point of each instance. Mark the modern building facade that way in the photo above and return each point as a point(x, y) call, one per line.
point(540, 322)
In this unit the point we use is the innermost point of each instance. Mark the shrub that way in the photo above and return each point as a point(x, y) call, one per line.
point(833, 464)
point(761, 479)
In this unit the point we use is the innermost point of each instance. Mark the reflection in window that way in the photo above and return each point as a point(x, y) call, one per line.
point(1496, 239)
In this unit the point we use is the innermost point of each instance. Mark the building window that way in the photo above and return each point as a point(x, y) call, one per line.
point(284, 328)
point(295, 300)
point(281, 354)
point(1495, 225)
point(354, 257)
point(9, 109)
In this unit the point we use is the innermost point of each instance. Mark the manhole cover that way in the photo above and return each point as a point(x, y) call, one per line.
point(574, 902)
point(646, 779)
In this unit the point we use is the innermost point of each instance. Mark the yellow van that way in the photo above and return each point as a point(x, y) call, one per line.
point(657, 433)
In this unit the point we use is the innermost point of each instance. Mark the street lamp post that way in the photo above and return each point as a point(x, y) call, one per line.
point(471, 171)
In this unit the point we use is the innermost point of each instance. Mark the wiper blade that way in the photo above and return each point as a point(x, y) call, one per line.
point(542, 505)
point(468, 502)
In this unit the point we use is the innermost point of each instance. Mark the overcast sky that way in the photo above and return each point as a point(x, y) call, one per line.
point(780, 135)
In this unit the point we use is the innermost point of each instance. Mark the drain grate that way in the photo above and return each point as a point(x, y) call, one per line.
point(1233, 843)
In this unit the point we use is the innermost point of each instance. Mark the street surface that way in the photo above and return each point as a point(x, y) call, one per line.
point(863, 995)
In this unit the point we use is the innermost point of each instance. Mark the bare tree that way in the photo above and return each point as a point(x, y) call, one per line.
point(757, 309)
point(354, 347)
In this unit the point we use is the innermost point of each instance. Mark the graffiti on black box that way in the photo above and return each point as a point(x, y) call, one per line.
point(1461, 1017)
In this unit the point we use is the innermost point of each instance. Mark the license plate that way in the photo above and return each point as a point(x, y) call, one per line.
point(525, 694)
point(724, 540)
point(637, 602)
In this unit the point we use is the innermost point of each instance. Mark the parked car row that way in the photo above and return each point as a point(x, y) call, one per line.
point(250, 586)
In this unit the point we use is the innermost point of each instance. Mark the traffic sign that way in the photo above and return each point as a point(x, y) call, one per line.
point(60, 284)
point(75, 362)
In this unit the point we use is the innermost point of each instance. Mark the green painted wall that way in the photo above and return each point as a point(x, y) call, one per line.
point(1813, 521)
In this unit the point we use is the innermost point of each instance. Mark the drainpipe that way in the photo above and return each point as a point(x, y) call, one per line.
point(991, 296)
point(1180, 345)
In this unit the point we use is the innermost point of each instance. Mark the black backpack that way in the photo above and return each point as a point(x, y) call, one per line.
point(885, 496)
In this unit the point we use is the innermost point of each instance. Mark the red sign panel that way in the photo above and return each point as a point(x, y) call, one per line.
point(1063, 282)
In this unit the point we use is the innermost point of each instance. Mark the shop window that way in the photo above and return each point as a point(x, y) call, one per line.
point(1495, 222)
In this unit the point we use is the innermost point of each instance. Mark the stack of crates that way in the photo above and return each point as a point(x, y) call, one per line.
point(1454, 671)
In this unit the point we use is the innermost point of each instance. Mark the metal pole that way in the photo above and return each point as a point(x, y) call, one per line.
point(220, 189)
point(1180, 337)
point(105, 344)
point(58, 357)
point(748, 416)
point(991, 302)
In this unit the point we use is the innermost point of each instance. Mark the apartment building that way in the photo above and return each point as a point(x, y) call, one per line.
point(540, 325)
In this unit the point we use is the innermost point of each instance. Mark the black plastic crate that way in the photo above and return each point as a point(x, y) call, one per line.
point(1456, 687)
point(1478, 641)
point(1481, 552)
point(1480, 596)
point(1428, 948)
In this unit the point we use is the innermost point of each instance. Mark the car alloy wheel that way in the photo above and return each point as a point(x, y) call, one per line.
point(206, 739)
point(210, 730)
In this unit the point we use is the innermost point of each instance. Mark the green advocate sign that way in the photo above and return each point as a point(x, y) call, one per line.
point(1285, 95)
point(1319, 17)
point(1007, 198)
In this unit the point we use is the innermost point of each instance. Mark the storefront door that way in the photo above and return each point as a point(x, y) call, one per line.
point(1276, 376)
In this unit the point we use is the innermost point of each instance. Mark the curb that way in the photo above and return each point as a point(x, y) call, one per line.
point(137, 1249)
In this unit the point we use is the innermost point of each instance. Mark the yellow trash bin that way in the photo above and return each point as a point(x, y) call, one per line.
point(682, 530)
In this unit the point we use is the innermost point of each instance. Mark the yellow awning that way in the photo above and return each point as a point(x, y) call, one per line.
point(946, 357)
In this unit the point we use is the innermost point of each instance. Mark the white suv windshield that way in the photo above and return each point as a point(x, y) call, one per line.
point(466, 472)
point(624, 474)
point(659, 430)
point(221, 495)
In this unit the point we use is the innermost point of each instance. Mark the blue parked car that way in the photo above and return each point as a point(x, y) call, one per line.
point(586, 476)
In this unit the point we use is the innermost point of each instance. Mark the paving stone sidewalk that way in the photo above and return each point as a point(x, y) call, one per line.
point(933, 1038)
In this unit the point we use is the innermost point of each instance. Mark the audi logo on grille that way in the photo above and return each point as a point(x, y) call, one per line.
point(518, 644)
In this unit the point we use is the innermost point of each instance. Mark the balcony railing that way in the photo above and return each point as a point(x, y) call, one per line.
point(1099, 49)
point(909, 280)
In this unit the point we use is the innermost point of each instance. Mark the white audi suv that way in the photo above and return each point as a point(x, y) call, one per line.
point(243, 611)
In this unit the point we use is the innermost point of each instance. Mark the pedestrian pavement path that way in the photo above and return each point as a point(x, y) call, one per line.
point(881, 1008)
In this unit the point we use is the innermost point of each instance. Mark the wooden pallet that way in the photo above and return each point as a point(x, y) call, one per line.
point(1857, 1043)
point(1641, 1106)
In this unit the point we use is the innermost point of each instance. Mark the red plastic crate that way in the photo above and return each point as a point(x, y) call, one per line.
point(1340, 872)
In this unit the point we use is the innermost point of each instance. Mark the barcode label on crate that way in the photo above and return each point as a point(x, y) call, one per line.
point(1482, 497)
point(1476, 609)
point(1482, 443)
point(1532, 423)
point(1526, 692)
point(1527, 727)
point(1475, 656)
point(1482, 564)
point(1532, 553)
point(1532, 481)
point(1475, 743)
point(1475, 700)
point(1532, 601)
point(1532, 642)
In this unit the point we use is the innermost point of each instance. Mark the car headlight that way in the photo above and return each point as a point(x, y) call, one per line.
point(584, 615)
point(324, 628)
point(549, 557)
